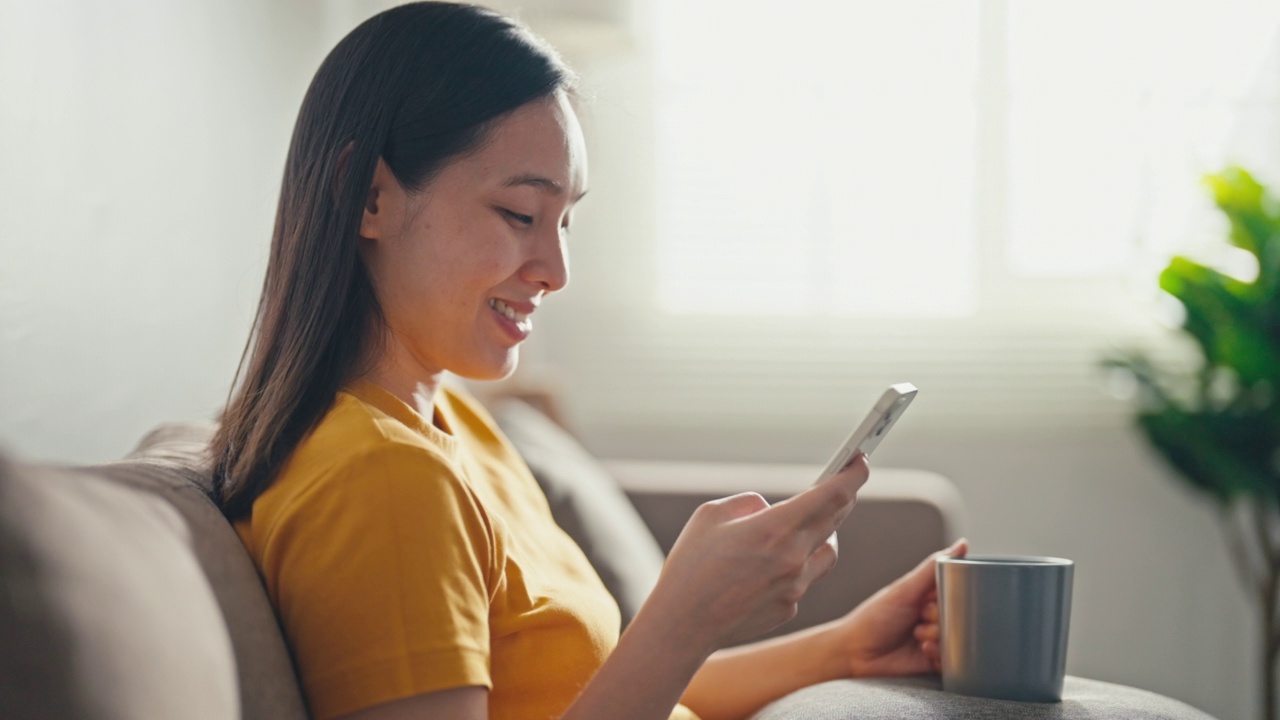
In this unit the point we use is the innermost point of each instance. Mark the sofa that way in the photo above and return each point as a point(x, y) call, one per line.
point(125, 594)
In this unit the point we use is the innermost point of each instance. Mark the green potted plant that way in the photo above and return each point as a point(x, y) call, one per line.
point(1218, 425)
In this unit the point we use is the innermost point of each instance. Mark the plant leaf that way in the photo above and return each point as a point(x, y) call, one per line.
point(1224, 316)
point(1201, 454)
point(1241, 199)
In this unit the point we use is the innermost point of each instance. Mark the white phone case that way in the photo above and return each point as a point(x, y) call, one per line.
point(873, 427)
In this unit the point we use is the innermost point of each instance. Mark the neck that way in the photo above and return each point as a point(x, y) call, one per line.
point(400, 373)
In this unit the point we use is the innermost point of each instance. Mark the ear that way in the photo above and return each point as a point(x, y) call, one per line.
point(381, 204)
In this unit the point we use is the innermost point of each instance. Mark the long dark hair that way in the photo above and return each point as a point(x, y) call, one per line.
point(417, 85)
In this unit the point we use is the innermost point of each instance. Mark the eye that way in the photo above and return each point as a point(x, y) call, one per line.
point(522, 219)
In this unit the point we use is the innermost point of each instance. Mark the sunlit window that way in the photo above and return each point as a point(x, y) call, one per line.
point(1117, 109)
point(816, 156)
point(833, 156)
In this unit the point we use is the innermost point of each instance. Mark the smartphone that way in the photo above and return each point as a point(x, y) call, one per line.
point(873, 428)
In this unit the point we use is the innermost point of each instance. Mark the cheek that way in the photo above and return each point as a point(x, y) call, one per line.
point(495, 267)
point(484, 258)
point(409, 282)
point(464, 274)
point(454, 263)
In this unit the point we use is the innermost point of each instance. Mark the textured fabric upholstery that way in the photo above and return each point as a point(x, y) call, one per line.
point(125, 593)
point(923, 699)
point(587, 504)
point(170, 462)
point(104, 610)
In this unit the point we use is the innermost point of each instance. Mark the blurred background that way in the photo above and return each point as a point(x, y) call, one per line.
point(792, 205)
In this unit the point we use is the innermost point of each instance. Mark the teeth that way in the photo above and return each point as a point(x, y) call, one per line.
point(506, 310)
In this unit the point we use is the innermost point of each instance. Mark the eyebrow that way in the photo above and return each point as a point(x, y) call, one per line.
point(544, 184)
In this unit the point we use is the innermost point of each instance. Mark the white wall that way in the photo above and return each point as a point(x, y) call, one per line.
point(141, 145)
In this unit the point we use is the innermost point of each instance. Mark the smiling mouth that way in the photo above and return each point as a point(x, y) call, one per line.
point(520, 319)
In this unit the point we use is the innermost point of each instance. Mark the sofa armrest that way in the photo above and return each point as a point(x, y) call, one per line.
point(922, 698)
point(902, 515)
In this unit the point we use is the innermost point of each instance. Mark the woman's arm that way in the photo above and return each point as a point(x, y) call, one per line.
point(894, 632)
point(737, 682)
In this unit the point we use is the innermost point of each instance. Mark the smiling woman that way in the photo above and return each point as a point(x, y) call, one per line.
point(402, 95)
point(459, 270)
point(413, 563)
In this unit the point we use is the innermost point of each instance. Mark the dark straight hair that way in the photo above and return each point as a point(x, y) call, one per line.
point(417, 85)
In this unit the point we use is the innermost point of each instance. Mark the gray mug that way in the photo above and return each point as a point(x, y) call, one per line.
point(1003, 621)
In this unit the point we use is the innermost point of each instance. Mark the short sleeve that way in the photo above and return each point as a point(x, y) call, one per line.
point(382, 573)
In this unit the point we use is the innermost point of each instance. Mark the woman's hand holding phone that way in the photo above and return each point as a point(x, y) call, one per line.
point(740, 566)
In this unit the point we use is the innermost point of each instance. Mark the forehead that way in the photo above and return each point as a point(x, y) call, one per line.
point(539, 139)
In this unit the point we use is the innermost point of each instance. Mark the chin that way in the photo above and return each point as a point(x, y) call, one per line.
point(493, 368)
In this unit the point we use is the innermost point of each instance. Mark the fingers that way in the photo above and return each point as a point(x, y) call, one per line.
point(815, 513)
point(818, 564)
point(927, 632)
point(919, 586)
point(932, 651)
point(928, 635)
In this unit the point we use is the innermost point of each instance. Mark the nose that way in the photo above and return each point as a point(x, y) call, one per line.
point(549, 266)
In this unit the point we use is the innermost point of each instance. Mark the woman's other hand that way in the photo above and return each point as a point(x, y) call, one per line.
point(895, 631)
point(740, 566)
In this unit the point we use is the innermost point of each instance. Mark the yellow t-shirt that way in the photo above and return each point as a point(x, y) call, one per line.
point(404, 556)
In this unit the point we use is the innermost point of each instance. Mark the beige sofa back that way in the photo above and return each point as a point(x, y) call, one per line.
point(124, 593)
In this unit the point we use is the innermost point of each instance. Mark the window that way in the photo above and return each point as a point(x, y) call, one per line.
point(970, 195)
point(1117, 109)
point(823, 150)
point(839, 152)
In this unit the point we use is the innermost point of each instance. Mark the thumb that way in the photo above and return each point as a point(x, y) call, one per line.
point(921, 579)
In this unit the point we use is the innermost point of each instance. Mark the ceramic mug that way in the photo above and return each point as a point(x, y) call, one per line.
point(1003, 622)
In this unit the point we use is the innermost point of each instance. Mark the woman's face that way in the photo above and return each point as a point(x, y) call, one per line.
point(460, 267)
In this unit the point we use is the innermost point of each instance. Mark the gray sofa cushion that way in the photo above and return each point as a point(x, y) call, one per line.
point(922, 698)
point(587, 504)
point(104, 611)
point(170, 462)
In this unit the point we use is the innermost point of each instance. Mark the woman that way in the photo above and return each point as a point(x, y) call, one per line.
point(410, 556)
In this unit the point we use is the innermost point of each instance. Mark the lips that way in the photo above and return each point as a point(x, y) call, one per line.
point(513, 317)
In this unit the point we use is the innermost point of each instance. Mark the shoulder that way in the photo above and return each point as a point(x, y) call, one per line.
point(360, 466)
point(389, 498)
